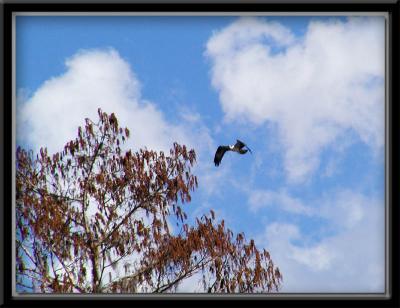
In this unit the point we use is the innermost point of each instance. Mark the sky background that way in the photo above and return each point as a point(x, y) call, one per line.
point(305, 93)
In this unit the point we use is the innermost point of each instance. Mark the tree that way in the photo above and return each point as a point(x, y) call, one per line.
point(84, 211)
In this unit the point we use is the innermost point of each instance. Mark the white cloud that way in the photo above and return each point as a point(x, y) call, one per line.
point(352, 260)
point(281, 200)
point(102, 79)
point(315, 88)
point(346, 211)
point(280, 237)
point(316, 258)
point(93, 79)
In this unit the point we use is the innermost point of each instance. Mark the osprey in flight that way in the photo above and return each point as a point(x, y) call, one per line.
point(239, 147)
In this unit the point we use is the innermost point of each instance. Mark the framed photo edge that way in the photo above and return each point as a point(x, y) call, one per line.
point(8, 11)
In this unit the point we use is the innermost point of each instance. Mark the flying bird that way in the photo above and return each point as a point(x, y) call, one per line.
point(239, 147)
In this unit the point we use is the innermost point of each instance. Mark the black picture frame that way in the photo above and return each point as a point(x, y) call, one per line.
point(8, 8)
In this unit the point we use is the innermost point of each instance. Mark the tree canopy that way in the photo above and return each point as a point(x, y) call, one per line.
point(84, 211)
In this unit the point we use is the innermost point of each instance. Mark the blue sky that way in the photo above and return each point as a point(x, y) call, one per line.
point(305, 93)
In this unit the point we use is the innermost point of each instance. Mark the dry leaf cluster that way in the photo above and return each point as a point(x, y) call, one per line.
point(84, 210)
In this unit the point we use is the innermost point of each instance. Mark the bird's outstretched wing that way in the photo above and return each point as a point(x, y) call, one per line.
point(219, 154)
point(239, 145)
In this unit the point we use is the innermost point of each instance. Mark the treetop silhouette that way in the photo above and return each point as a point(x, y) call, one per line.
point(92, 207)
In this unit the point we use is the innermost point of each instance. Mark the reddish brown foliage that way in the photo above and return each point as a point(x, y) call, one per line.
point(86, 208)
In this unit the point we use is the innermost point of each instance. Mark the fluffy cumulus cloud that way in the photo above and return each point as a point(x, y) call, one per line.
point(93, 79)
point(350, 260)
point(316, 88)
point(101, 78)
point(268, 198)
